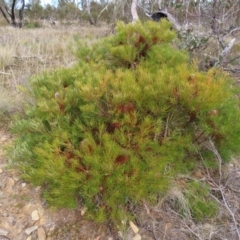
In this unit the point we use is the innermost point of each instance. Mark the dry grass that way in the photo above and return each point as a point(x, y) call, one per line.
point(25, 52)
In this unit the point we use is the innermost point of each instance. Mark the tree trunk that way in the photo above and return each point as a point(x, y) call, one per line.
point(134, 11)
point(9, 15)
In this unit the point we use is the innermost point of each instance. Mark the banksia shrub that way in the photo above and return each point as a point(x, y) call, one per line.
point(120, 126)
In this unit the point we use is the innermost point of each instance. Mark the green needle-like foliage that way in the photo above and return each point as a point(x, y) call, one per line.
point(122, 124)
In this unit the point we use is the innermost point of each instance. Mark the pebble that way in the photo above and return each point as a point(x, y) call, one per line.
point(12, 220)
point(134, 227)
point(3, 139)
point(40, 210)
point(137, 237)
point(83, 211)
point(35, 215)
point(3, 232)
point(16, 179)
point(120, 234)
point(41, 234)
point(10, 184)
point(1, 170)
point(51, 230)
point(24, 184)
point(37, 188)
point(28, 231)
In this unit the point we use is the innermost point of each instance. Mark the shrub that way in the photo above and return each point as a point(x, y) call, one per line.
point(122, 124)
point(191, 199)
point(34, 24)
point(201, 204)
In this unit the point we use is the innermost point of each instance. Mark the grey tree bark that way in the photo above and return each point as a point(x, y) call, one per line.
point(134, 11)
point(10, 15)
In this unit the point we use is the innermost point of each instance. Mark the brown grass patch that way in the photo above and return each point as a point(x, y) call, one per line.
point(26, 52)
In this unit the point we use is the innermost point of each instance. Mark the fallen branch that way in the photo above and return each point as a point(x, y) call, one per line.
point(171, 19)
point(232, 60)
point(186, 225)
point(228, 48)
point(231, 32)
point(219, 187)
point(235, 70)
point(28, 57)
point(4, 73)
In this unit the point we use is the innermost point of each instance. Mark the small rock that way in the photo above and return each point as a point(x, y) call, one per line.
point(27, 208)
point(1, 170)
point(5, 225)
point(41, 234)
point(40, 210)
point(28, 231)
point(120, 234)
point(56, 95)
point(16, 179)
point(4, 238)
point(3, 139)
point(24, 184)
point(29, 238)
point(3, 232)
point(83, 211)
point(2, 165)
point(43, 219)
point(52, 229)
point(12, 220)
point(137, 237)
point(35, 215)
point(37, 188)
point(134, 227)
point(10, 184)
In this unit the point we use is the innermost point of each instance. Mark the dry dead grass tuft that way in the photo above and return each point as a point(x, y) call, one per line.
point(25, 52)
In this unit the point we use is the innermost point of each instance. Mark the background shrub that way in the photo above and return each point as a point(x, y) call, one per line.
point(121, 125)
point(35, 24)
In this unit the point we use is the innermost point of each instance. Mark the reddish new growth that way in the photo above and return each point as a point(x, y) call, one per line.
point(121, 159)
point(112, 126)
point(127, 108)
point(140, 43)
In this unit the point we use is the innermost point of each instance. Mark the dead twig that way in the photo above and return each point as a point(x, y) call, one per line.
point(228, 48)
point(220, 188)
point(4, 73)
point(153, 231)
point(27, 57)
point(186, 225)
